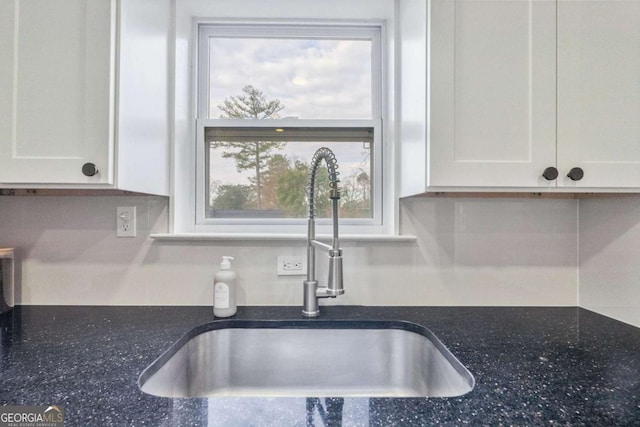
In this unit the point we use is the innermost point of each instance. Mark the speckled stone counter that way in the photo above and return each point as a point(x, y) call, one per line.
point(533, 366)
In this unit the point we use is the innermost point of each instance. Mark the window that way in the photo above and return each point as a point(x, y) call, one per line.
point(270, 95)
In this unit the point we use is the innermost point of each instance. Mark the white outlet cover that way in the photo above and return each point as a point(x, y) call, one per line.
point(282, 261)
point(126, 221)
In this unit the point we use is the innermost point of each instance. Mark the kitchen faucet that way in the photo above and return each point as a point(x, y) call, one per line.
point(334, 283)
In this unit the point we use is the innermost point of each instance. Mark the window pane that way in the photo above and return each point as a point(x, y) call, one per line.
point(263, 172)
point(312, 78)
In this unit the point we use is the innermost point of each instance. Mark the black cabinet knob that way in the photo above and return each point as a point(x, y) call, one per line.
point(550, 173)
point(89, 169)
point(576, 174)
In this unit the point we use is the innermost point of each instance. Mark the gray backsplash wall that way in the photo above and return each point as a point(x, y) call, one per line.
point(469, 251)
point(610, 256)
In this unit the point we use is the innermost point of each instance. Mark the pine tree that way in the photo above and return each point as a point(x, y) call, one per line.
point(253, 155)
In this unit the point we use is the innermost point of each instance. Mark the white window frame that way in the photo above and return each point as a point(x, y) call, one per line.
point(367, 30)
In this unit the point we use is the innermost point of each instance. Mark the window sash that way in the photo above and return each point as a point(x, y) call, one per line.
point(344, 31)
point(202, 222)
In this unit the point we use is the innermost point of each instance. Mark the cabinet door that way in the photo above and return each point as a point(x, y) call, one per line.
point(56, 83)
point(492, 93)
point(599, 92)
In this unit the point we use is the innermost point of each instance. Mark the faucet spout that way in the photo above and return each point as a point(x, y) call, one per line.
point(335, 285)
point(335, 279)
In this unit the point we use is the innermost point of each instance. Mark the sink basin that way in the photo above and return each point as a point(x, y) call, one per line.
point(309, 358)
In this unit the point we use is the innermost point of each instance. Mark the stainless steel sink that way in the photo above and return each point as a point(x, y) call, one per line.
point(307, 358)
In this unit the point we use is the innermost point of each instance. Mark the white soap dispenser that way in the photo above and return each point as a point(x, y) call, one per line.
point(224, 290)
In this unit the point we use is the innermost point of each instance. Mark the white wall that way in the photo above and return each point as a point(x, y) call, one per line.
point(479, 251)
point(610, 257)
point(468, 252)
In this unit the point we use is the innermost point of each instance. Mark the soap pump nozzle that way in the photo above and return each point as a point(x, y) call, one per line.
point(226, 263)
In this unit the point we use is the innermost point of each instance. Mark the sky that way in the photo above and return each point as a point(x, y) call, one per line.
point(313, 79)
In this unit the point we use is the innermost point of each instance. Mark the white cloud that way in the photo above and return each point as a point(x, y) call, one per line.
point(312, 78)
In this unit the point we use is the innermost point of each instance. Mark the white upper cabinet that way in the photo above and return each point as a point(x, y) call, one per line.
point(56, 81)
point(85, 82)
point(143, 116)
point(492, 93)
point(517, 87)
point(599, 92)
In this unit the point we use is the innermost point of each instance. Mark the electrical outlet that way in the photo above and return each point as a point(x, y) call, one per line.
point(126, 221)
point(292, 266)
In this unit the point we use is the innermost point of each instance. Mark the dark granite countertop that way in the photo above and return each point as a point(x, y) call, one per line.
point(533, 366)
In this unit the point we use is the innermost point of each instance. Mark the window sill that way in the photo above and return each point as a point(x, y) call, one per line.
point(276, 237)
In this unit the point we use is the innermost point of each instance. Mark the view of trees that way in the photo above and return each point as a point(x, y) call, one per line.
point(256, 154)
point(278, 183)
